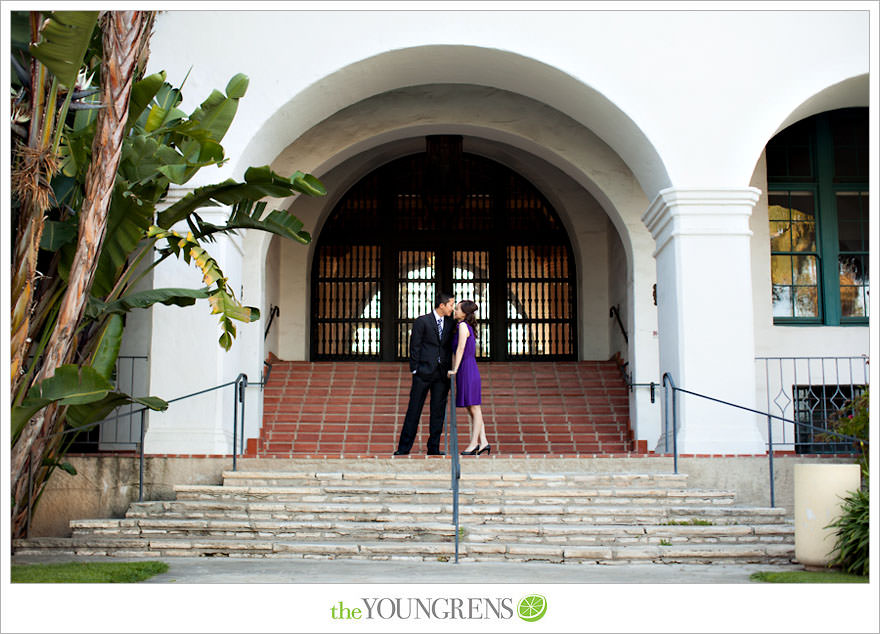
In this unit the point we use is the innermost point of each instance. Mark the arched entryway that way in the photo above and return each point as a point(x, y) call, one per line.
point(443, 219)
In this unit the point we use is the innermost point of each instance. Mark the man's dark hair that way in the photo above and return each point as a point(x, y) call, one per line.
point(442, 298)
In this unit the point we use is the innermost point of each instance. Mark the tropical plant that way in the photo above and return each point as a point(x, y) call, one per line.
point(852, 532)
point(85, 206)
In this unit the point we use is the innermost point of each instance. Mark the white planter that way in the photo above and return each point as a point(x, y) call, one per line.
point(819, 490)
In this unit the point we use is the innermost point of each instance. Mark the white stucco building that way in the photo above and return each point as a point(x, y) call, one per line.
point(645, 131)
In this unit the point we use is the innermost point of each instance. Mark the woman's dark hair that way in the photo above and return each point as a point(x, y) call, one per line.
point(469, 308)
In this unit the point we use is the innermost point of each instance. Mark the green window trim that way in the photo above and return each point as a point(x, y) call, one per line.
point(799, 285)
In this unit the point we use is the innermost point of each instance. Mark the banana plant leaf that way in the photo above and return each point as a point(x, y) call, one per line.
point(128, 220)
point(70, 385)
point(259, 182)
point(142, 94)
point(56, 234)
point(64, 40)
point(215, 114)
point(81, 415)
point(144, 299)
point(107, 350)
point(247, 215)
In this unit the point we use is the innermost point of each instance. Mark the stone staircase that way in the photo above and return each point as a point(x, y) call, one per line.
point(400, 513)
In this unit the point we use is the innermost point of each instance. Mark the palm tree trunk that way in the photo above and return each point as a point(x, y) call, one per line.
point(125, 36)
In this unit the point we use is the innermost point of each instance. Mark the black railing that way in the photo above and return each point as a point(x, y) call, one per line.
point(628, 379)
point(452, 452)
point(274, 312)
point(668, 381)
point(240, 383)
point(615, 312)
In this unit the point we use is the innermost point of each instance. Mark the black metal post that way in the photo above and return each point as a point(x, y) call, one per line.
point(674, 429)
point(235, 426)
point(770, 454)
point(456, 470)
point(141, 448)
point(667, 378)
point(241, 396)
point(665, 415)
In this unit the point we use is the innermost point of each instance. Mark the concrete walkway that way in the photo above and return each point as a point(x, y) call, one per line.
point(203, 570)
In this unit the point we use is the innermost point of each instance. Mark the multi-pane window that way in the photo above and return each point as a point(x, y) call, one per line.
point(817, 173)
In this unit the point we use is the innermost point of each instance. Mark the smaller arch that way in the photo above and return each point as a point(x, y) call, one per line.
point(851, 92)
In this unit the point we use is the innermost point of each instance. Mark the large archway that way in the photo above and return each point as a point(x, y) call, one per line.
point(443, 220)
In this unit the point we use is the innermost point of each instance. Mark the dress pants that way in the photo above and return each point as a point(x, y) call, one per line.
point(438, 385)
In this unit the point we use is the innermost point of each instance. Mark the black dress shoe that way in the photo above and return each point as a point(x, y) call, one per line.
point(401, 453)
point(485, 450)
point(472, 452)
point(436, 453)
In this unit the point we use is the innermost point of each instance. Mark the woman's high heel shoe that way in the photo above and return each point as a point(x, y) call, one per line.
point(472, 452)
point(485, 450)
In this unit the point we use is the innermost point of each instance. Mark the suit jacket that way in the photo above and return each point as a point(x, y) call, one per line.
point(426, 349)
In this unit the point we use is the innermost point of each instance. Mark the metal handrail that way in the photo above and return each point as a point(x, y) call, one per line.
point(628, 379)
point(455, 463)
point(615, 312)
point(667, 379)
point(274, 312)
point(769, 416)
point(241, 382)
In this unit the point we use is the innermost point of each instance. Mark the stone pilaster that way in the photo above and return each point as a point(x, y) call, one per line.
point(705, 321)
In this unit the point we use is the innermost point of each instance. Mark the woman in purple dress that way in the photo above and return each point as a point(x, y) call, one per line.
point(467, 376)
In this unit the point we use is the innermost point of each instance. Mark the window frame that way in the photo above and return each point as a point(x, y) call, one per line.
point(825, 190)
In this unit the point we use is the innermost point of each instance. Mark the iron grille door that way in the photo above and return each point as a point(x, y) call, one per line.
point(540, 300)
point(348, 302)
point(451, 221)
point(416, 284)
point(470, 280)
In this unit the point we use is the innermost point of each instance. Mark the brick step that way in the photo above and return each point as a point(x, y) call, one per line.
point(437, 531)
point(425, 551)
point(356, 408)
point(529, 514)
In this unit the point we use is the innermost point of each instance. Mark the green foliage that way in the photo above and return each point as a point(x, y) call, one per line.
point(73, 385)
point(853, 533)
point(804, 576)
point(259, 182)
point(64, 40)
point(145, 299)
point(93, 572)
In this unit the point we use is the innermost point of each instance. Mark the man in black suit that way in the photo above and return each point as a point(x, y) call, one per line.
point(430, 357)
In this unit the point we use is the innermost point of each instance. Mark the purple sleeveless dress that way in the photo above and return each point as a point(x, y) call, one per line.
point(467, 380)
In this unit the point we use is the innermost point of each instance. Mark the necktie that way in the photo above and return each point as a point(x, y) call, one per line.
point(440, 328)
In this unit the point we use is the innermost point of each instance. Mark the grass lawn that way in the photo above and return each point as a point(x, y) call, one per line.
point(77, 572)
point(805, 576)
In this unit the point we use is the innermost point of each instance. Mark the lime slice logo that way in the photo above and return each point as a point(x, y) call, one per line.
point(532, 607)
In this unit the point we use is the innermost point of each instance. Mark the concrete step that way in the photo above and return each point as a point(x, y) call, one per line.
point(437, 531)
point(355, 493)
point(587, 554)
point(443, 477)
point(546, 513)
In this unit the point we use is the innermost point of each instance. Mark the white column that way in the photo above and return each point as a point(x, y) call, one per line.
point(185, 357)
point(705, 315)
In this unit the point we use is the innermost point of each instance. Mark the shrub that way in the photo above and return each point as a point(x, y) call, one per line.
point(853, 533)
